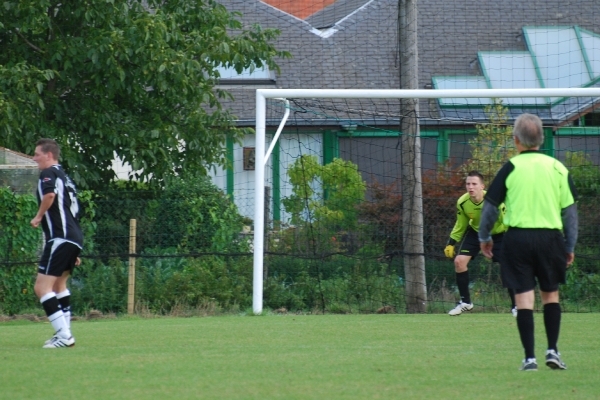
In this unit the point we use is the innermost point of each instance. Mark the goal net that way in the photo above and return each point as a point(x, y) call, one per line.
point(355, 192)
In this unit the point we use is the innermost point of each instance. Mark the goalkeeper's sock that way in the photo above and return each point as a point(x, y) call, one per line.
point(511, 293)
point(526, 331)
point(462, 281)
point(55, 315)
point(64, 298)
point(552, 315)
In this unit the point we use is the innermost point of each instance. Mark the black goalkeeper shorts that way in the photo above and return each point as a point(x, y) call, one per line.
point(470, 245)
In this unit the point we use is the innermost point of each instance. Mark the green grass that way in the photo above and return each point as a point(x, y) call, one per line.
point(474, 356)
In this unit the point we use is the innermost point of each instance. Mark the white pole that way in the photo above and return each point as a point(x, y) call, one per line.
point(259, 169)
point(259, 204)
point(281, 125)
point(426, 93)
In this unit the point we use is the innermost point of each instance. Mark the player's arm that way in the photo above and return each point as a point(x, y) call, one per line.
point(493, 199)
point(460, 227)
point(45, 204)
point(570, 224)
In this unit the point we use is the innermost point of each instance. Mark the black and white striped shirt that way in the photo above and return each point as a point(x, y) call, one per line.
point(61, 220)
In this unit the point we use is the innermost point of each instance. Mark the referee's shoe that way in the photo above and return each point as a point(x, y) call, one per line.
point(553, 360)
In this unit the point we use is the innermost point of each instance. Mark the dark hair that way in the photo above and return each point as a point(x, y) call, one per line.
point(477, 174)
point(49, 146)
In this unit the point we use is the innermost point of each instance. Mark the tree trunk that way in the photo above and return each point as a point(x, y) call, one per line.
point(412, 193)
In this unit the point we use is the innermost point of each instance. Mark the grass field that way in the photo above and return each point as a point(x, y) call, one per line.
point(473, 356)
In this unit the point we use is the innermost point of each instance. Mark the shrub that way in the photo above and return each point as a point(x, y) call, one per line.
point(195, 216)
point(19, 246)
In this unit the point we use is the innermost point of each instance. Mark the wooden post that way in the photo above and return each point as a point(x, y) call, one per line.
point(412, 192)
point(131, 286)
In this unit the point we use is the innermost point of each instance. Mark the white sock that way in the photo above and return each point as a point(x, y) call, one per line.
point(56, 316)
point(60, 325)
point(66, 312)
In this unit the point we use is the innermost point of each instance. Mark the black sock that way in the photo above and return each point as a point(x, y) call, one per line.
point(51, 306)
point(462, 281)
point(511, 293)
point(552, 314)
point(65, 304)
point(526, 331)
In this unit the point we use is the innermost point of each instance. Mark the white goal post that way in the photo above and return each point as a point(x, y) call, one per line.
point(284, 94)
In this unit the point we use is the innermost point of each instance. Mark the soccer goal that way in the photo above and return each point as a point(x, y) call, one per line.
point(363, 189)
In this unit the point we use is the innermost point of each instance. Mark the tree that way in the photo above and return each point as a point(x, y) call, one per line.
point(412, 191)
point(344, 190)
point(494, 145)
point(131, 78)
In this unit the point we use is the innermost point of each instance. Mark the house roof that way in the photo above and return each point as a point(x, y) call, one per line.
point(320, 14)
point(361, 51)
point(334, 13)
point(300, 8)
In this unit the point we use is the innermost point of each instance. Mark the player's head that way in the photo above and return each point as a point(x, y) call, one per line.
point(474, 184)
point(47, 153)
point(529, 131)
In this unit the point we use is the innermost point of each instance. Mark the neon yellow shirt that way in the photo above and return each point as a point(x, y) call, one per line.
point(469, 215)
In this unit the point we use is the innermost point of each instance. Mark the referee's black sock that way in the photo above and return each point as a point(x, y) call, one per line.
point(552, 314)
point(526, 331)
point(462, 281)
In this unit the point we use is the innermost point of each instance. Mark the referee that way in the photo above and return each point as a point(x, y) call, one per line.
point(541, 216)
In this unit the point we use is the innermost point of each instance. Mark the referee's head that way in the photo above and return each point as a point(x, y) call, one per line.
point(528, 131)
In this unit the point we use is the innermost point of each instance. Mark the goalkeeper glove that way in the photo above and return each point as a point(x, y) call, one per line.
point(449, 251)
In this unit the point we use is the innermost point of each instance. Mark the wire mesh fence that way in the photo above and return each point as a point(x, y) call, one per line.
point(187, 262)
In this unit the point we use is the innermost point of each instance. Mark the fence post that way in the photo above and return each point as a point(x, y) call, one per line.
point(131, 286)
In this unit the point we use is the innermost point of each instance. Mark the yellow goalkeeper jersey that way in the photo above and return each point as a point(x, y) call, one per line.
point(469, 215)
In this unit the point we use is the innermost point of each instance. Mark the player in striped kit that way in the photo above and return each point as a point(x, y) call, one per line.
point(58, 215)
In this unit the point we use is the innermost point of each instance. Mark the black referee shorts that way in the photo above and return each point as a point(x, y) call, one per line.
point(470, 245)
point(58, 256)
point(530, 254)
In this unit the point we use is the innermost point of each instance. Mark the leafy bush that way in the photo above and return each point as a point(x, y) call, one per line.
point(100, 286)
point(195, 216)
point(19, 246)
point(585, 175)
point(122, 202)
point(324, 215)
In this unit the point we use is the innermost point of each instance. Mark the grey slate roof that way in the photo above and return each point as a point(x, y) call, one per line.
point(362, 53)
point(333, 14)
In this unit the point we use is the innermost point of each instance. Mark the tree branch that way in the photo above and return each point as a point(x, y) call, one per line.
point(33, 46)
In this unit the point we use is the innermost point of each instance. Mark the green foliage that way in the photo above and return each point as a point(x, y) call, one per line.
point(581, 287)
point(325, 221)
point(493, 145)
point(18, 240)
point(116, 207)
point(99, 286)
point(135, 78)
point(195, 216)
point(585, 175)
point(164, 283)
point(19, 243)
point(343, 187)
point(212, 279)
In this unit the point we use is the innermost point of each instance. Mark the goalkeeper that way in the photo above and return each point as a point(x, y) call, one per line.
point(464, 233)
